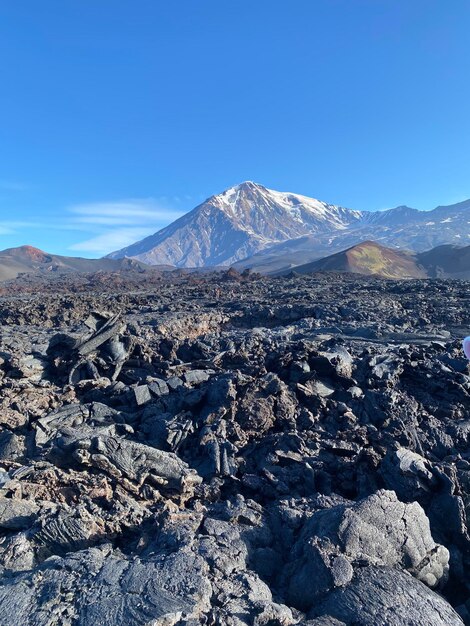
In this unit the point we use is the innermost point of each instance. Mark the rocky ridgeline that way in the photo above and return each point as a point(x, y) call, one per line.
point(235, 451)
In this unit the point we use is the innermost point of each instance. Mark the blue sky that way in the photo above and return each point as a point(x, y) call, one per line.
point(116, 116)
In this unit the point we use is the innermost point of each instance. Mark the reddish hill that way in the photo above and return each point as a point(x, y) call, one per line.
point(30, 260)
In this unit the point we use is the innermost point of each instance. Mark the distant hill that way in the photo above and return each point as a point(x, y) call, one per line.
point(285, 255)
point(29, 260)
point(445, 229)
point(368, 258)
point(447, 261)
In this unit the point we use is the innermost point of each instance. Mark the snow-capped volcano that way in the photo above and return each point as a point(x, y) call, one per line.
point(275, 214)
point(236, 224)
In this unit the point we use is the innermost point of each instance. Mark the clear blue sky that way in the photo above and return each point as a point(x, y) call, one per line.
point(118, 115)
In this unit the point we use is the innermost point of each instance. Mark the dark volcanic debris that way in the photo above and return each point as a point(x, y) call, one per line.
point(234, 450)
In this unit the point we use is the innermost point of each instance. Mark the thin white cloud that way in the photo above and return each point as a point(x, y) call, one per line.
point(8, 227)
point(101, 227)
point(112, 240)
point(125, 212)
point(117, 224)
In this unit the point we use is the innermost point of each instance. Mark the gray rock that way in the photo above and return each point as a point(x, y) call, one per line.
point(174, 382)
point(99, 586)
point(239, 493)
point(142, 394)
point(382, 596)
point(379, 530)
point(109, 329)
point(17, 514)
point(408, 473)
point(196, 377)
point(159, 387)
point(137, 462)
point(315, 387)
point(12, 447)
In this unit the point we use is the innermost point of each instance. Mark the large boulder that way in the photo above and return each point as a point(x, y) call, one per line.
point(102, 586)
point(384, 596)
point(379, 530)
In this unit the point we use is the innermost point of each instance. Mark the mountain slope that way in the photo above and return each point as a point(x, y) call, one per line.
point(285, 255)
point(268, 231)
point(409, 229)
point(26, 259)
point(236, 224)
point(402, 228)
point(446, 261)
point(368, 258)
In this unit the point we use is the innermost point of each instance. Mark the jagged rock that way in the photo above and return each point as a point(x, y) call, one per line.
point(274, 614)
point(142, 395)
point(408, 473)
point(17, 514)
point(382, 595)
point(137, 462)
point(209, 455)
point(174, 382)
point(66, 531)
point(99, 586)
point(196, 377)
point(165, 431)
point(12, 447)
point(108, 329)
point(159, 387)
point(379, 530)
point(320, 388)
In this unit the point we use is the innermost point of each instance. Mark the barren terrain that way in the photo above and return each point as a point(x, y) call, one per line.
point(223, 450)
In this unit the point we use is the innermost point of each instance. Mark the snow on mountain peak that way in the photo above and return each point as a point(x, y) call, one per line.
point(260, 197)
point(236, 223)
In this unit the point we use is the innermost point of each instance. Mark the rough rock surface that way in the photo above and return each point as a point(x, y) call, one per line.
point(232, 450)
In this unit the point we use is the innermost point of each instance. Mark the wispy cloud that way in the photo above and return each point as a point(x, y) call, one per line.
point(112, 240)
point(117, 224)
point(122, 213)
point(6, 230)
point(10, 228)
point(98, 228)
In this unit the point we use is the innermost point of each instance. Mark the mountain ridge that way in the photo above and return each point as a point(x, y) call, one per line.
point(236, 223)
point(250, 221)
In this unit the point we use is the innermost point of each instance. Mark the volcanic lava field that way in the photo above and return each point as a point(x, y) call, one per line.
point(232, 450)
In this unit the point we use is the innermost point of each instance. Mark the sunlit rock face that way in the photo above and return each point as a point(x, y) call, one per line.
point(281, 229)
point(236, 224)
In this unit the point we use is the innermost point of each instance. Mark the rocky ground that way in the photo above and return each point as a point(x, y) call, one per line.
point(234, 451)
